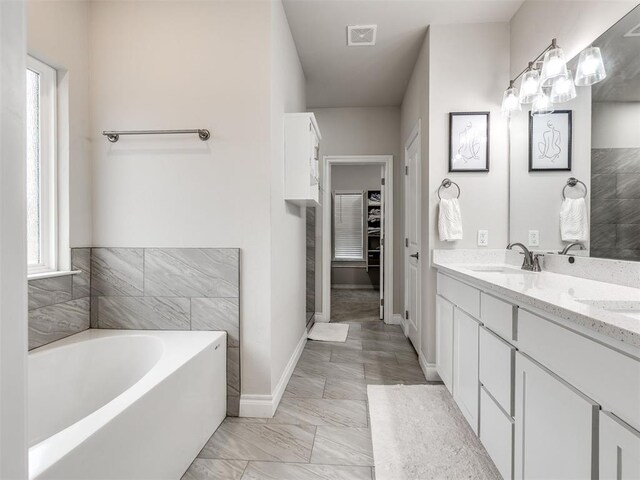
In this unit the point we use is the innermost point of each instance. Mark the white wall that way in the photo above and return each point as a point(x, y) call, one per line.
point(415, 107)
point(189, 64)
point(58, 34)
point(288, 221)
point(367, 131)
point(615, 125)
point(13, 244)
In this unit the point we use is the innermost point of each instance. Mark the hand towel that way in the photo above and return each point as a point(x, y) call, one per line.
point(450, 220)
point(574, 220)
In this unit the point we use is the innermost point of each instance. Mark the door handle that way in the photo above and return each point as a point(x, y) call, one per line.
point(416, 255)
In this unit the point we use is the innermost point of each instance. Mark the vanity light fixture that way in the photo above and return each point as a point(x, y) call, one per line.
point(590, 67)
point(547, 81)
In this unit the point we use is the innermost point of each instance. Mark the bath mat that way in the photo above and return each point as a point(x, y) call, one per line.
point(329, 332)
point(418, 432)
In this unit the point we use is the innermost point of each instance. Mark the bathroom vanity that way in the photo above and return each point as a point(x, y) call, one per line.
point(544, 366)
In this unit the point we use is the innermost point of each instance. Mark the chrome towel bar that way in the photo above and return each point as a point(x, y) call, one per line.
point(446, 183)
point(114, 135)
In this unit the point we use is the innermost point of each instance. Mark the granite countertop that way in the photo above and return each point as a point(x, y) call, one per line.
point(556, 294)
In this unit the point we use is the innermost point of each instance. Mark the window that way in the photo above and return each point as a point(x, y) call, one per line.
point(348, 224)
point(41, 167)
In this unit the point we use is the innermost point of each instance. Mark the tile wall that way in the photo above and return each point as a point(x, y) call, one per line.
point(144, 288)
point(615, 203)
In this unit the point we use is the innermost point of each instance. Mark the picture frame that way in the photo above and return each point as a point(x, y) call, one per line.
point(469, 141)
point(550, 141)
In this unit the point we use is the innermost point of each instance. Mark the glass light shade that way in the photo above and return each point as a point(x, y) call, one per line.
point(590, 67)
point(554, 66)
point(563, 89)
point(542, 105)
point(510, 101)
point(530, 86)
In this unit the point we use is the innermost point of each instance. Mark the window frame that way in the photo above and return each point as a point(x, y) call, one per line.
point(362, 196)
point(48, 167)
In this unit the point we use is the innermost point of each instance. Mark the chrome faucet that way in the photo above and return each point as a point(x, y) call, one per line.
point(565, 250)
point(531, 262)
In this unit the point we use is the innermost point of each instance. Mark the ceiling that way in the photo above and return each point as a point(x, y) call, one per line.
point(341, 76)
point(621, 56)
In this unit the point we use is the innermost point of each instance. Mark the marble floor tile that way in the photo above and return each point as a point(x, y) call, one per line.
point(313, 411)
point(288, 471)
point(305, 386)
point(317, 355)
point(343, 446)
point(211, 469)
point(388, 345)
point(340, 389)
point(255, 441)
point(363, 357)
point(350, 344)
point(407, 358)
point(394, 374)
point(330, 369)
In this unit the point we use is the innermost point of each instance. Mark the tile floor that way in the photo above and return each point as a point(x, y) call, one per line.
point(321, 428)
point(355, 305)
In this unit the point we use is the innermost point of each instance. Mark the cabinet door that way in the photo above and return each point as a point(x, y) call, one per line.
point(556, 426)
point(444, 341)
point(619, 449)
point(466, 387)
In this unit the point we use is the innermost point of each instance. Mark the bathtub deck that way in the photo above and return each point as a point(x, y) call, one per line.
point(321, 428)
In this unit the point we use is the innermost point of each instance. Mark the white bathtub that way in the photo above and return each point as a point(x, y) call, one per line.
point(116, 404)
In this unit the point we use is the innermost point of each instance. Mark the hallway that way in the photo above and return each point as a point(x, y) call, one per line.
point(321, 428)
point(355, 305)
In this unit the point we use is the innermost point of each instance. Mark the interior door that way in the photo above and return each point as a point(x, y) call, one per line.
point(382, 240)
point(412, 238)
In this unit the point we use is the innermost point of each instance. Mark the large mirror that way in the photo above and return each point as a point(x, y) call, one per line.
point(601, 163)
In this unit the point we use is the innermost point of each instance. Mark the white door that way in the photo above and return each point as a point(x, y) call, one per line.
point(412, 237)
point(444, 341)
point(556, 426)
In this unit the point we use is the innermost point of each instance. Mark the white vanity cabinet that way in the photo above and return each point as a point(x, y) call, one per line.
point(555, 426)
point(301, 159)
point(619, 455)
point(547, 398)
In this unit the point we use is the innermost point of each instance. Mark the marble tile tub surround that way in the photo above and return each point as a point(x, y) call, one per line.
point(567, 297)
point(59, 306)
point(171, 289)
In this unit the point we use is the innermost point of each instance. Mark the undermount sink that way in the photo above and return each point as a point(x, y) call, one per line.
point(497, 269)
point(629, 308)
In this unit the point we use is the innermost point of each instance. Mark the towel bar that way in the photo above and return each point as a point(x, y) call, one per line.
point(446, 183)
point(572, 182)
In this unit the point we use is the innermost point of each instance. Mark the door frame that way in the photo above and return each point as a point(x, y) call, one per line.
point(415, 136)
point(386, 161)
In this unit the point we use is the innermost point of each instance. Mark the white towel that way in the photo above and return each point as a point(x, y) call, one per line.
point(574, 220)
point(450, 220)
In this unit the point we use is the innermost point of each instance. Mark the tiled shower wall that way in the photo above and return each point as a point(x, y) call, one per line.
point(171, 289)
point(615, 203)
point(144, 288)
point(59, 306)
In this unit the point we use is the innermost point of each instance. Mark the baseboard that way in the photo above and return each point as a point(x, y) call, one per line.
point(319, 318)
point(264, 406)
point(396, 319)
point(429, 369)
point(349, 286)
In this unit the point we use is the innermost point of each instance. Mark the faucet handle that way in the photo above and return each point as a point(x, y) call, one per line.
point(536, 262)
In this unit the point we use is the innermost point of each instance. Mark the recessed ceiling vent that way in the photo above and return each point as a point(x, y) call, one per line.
point(634, 32)
point(361, 35)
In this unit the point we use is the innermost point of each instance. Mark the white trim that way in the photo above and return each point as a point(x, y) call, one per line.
point(59, 273)
point(264, 406)
point(386, 161)
point(429, 369)
point(397, 319)
point(319, 318)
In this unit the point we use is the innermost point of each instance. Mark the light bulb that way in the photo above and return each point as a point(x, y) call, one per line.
point(590, 67)
point(563, 89)
point(542, 105)
point(530, 87)
point(553, 66)
point(510, 101)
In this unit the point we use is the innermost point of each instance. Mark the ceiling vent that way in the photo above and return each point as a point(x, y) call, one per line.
point(634, 32)
point(361, 35)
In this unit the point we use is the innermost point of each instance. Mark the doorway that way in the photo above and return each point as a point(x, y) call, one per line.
point(358, 243)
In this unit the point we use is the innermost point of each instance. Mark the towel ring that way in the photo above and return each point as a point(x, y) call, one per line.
point(446, 183)
point(572, 182)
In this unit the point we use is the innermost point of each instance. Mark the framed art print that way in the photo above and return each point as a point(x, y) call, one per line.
point(469, 141)
point(550, 141)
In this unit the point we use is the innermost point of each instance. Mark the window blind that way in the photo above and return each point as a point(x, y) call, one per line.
point(348, 226)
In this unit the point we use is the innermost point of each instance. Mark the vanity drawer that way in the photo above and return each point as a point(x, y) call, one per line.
point(460, 294)
point(498, 316)
point(609, 377)
point(497, 360)
point(496, 434)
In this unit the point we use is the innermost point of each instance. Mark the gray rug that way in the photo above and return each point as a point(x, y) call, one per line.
point(419, 433)
point(329, 332)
